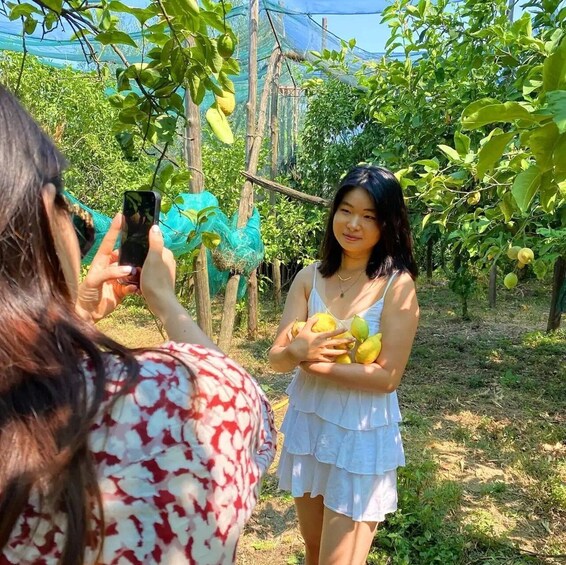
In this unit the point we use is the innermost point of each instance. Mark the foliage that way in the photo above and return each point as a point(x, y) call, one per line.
point(177, 42)
point(335, 135)
point(73, 108)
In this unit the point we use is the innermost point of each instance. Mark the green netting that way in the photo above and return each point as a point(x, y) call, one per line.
point(192, 217)
point(289, 24)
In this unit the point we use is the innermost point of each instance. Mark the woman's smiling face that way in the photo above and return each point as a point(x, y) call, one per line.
point(355, 223)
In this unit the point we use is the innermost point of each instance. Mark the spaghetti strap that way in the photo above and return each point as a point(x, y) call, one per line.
point(314, 275)
point(391, 279)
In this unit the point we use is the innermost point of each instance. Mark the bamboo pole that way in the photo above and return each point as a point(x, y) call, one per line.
point(193, 157)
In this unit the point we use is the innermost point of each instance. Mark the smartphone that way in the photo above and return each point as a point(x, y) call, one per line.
point(140, 211)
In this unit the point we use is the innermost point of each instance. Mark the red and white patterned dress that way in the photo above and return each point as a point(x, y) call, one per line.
point(179, 461)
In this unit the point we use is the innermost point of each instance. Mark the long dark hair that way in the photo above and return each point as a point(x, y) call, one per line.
point(46, 404)
point(394, 250)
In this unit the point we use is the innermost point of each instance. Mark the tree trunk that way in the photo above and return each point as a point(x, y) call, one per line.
point(557, 299)
point(493, 284)
point(193, 157)
point(429, 249)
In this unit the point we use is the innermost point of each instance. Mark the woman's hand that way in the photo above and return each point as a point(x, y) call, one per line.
point(100, 292)
point(309, 346)
point(157, 281)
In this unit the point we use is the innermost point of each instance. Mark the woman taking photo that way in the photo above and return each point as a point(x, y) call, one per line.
point(342, 444)
point(109, 455)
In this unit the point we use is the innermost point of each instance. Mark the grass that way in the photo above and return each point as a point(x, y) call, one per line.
point(484, 405)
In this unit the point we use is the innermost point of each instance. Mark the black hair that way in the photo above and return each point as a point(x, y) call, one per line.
point(394, 250)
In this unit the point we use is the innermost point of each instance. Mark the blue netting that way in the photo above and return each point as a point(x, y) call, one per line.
point(192, 217)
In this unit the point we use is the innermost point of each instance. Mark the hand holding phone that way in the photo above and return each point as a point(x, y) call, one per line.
point(140, 211)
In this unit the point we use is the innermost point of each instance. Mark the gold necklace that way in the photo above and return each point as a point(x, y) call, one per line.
point(344, 279)
point(340, 280)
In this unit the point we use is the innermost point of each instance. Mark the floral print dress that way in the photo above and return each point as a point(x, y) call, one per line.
point(179, 461)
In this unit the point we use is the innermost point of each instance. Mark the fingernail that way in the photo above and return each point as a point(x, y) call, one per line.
point(155, 229)
point(127, 270)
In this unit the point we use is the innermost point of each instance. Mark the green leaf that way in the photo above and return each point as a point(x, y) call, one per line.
point(461, 143)
point(548, 192)
point(55, 5)
point(559, 155)
point(211, 240)
point(554, 69)
point(507, 206)
point(450, 152)
point(541, 141)
point(191, 214)
point(115, 37)
point(556, 103)
point(491, 152)
point(22, 10)
point(526, 186)
point(488, 110)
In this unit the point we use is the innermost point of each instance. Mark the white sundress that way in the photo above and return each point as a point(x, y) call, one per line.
point(342, 443)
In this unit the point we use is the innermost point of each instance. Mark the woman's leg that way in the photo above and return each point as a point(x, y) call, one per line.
point(343, 541)
point(310, 512)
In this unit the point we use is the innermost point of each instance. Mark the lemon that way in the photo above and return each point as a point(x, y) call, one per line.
point(297, 327)
point(344, 358)
point(324, 323)
point(369, 350)
point(513, 251)
point(226, 102)
point(346, 346)
point(359, 328)
point(225, 45)
point(510, 280)
point(525, 255)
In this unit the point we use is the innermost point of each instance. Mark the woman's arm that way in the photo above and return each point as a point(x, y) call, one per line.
point(399, 322)
point(286, 354)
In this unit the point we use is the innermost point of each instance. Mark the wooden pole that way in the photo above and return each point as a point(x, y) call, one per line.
point(274, 125)
point(493, 284)
point(246, 199)
point(193, 157)
point(558, 282)
point(324, 33)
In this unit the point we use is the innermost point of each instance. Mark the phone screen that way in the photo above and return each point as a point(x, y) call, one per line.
point(140, 211)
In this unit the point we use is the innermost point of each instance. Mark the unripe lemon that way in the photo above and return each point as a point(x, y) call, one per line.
point(297, 327)
point(225, 45)
point(510, 280)
point(324, 323)
point(359, 328)
point(512, 252)
point(369, 350)
point(525, 255)
point(226, 102)
point(344, 358)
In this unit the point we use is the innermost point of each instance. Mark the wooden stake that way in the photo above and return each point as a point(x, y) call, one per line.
point(555, 314)
point(274, 125)
point(193, 156)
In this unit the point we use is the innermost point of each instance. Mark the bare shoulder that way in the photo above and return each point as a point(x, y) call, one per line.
point(403, 292)
point(305, 276)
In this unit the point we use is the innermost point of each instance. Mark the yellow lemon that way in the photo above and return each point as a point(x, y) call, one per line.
point(344, 358)
point(346, 346)
point(359, 328)
point(369, 350)
point(297, 327)
point(525, 255)
point(324, 323)
point(226, 102)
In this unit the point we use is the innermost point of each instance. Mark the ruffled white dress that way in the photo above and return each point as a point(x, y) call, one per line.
point(341, 443)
